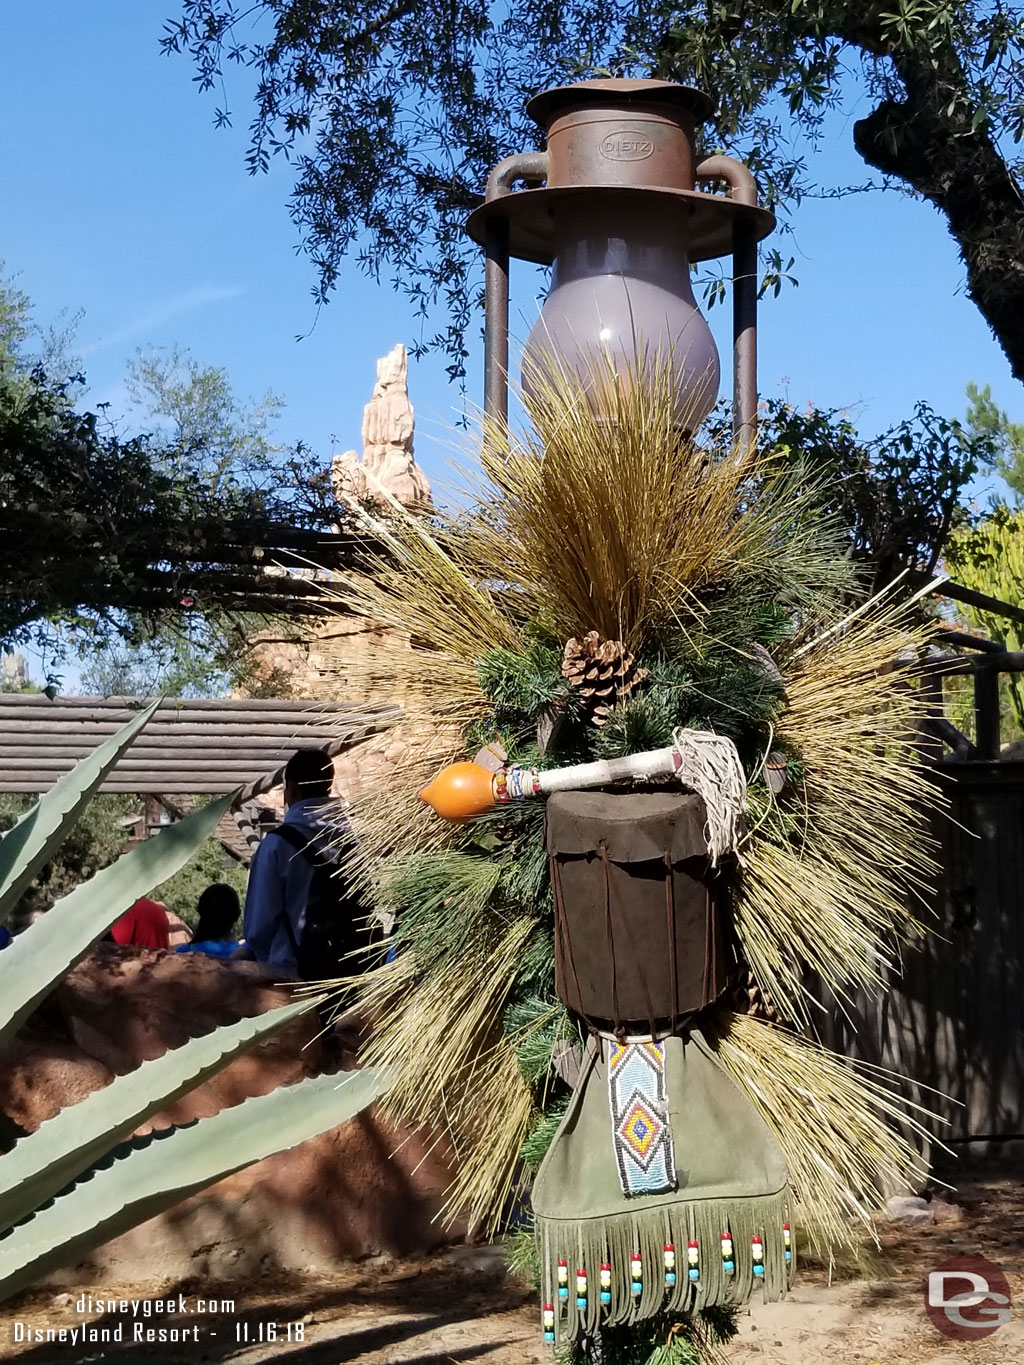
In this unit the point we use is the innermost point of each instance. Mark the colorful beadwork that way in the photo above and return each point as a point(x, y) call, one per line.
point(728, 1264)
point(548, 1319)
point(636, 1273)
point(757, 1251)
point(515, 784)
point(670, 1263)
point(787, 1241)
point(693, 1260)
point(606, 1282)
point(581, 1288)
point(641, 1131)
point(563, 1280)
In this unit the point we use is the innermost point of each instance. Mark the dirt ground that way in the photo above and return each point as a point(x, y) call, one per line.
point(460, 1306)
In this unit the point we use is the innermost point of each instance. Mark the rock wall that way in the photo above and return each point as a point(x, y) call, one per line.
point(343, 657)
point(363, 1188)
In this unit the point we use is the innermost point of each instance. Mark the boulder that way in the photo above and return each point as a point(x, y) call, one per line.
point(909, 1209)
point(364, 1188)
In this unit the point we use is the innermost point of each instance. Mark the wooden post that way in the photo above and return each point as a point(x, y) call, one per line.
point(986, 710)
point(929, 745)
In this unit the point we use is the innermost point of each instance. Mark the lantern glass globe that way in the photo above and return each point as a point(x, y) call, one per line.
point(620, 306)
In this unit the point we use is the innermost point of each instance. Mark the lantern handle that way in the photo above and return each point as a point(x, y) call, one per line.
point(531, 167)
point(528, 166)
point(744, 297)
point(735, 175)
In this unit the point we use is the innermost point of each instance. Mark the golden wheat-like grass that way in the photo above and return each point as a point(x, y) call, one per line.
point(607, 526)
point(621, 526)
point(834, 886)
point(837, 1124)
point(625, 528)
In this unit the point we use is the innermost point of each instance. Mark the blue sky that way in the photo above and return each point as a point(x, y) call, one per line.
point(119, 198)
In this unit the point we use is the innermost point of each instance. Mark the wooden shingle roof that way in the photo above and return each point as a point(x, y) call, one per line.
point(188, 747)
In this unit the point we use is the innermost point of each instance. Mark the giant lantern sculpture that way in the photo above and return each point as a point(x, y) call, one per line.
point(620, 219)
point(645, 641)
point(663, 1190)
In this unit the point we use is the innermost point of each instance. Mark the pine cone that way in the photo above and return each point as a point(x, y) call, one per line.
point(751, 999)
point(602, 671)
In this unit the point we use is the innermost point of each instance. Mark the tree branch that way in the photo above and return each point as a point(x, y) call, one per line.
point(929, 141)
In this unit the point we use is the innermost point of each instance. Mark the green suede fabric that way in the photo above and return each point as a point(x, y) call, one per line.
point(731, 1176)
point(723, 1149)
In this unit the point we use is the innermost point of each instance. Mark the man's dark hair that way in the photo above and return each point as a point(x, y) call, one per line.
point(311, 772)
point(218, 909)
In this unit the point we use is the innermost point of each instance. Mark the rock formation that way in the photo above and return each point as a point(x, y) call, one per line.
point(364, 1187)
point(388, 462)
point(14, 671)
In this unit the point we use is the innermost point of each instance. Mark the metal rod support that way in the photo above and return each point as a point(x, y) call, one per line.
point(531, 167)
point(496, 322)
point(743, 190)
point(744, 331)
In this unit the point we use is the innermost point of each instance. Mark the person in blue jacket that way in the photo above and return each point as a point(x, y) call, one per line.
point(292, 864)
point(218, 910)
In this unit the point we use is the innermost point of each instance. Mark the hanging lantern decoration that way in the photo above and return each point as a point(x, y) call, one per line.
point(614, 205)
point(658, 1148)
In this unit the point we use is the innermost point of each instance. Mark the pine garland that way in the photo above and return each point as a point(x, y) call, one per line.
point(729, 589)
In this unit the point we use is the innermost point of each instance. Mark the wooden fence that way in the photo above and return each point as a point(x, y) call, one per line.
point(954, 1020)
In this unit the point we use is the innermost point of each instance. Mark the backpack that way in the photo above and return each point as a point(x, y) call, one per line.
point(337, 921)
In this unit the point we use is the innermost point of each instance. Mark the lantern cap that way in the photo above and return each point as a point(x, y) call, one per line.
point(615, 146)
point(531, 217)
point(543, 106)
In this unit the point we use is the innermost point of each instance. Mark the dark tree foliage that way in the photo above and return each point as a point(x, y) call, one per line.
point(394, 112)
point(96, 839)
point(93, 526)
point(897, 495)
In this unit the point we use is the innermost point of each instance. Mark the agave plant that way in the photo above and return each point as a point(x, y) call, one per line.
point(77, 1181)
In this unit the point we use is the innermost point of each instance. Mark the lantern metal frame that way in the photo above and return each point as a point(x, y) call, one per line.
point(620, 141)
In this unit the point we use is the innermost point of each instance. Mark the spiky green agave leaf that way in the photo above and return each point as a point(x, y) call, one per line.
point(154, 1173)
point(40, 831)
point(44, 1162)
point(44, 953)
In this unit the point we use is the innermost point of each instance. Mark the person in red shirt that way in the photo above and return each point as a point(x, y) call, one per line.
point(145, 925)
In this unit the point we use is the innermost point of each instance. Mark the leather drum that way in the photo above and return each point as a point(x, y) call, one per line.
point(642, 930)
